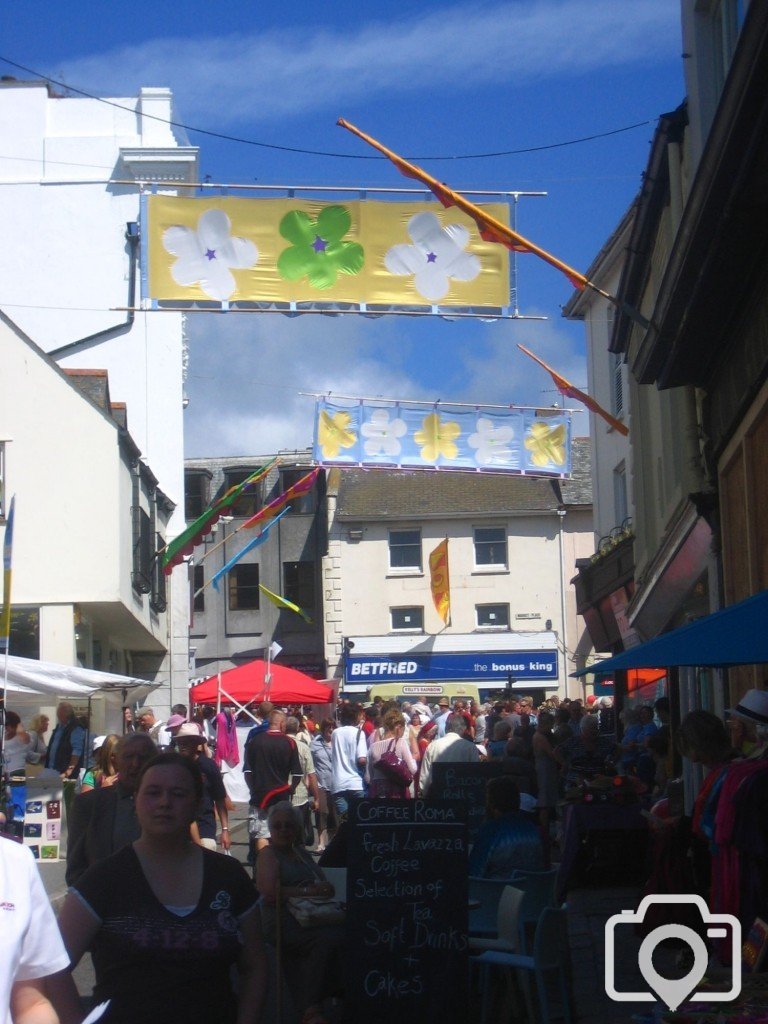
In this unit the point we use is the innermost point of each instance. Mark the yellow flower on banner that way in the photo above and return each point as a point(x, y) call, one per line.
point(333, 435)
point(437, 438)
point(546, 444)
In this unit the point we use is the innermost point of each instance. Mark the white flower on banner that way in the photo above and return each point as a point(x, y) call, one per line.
point(382, 433)
point(207, 256)
point(436, 256)
point(492, 443)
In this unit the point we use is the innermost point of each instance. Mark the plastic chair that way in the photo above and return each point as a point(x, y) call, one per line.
point(549, 960)
point(539, 889)
point(486, 892)
point(507, 935)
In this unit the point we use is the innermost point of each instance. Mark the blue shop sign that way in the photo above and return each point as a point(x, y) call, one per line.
point(468, 666)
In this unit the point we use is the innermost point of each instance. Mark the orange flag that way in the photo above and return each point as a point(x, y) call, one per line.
point(439, 580)
point(492, 230)
point(566, 388)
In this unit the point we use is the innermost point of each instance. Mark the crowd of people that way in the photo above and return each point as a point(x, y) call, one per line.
point(170, 922)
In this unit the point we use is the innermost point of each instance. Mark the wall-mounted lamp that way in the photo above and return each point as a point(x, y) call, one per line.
point(548, 625)
point(354, 535)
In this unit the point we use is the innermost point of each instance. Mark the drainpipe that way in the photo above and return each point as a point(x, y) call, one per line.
point(132, 237)
point(564, 636)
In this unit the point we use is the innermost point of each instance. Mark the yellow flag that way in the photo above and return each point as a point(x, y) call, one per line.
point(439, 580)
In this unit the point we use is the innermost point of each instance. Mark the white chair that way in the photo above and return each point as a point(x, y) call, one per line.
point(549, 964)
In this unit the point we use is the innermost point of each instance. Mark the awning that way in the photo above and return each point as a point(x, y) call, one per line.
point(25, 675)
point(736, 635)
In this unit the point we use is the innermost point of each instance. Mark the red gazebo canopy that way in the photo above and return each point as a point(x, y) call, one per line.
point(246, 684)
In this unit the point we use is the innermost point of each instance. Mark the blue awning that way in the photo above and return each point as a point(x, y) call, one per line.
point(736, 635)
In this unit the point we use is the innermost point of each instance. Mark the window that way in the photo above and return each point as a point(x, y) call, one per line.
point(141, 577)
point(244, 587)
point(198, 594)
point(196, 494)
point(158, 601)
point(405, 549)
point(620, 494)
point(617, 385)
point(304, 505)
point(492, 616)
point(410, 619)
point(299, 584)
point(249, 502)
point(491, 547)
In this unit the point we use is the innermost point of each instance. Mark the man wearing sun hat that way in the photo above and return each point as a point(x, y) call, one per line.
point(749, 721)
point(443, 710)
point(190, 743)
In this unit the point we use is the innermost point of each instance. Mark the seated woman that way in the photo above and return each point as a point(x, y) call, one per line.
point(508, 840)
point(165, 919)
point(285, 869)
point(380, 784)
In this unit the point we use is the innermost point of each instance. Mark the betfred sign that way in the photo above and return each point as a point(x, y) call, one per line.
point(446, 667)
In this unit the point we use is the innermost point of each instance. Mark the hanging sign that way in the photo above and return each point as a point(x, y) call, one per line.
point(411, 435)
point(288, 251)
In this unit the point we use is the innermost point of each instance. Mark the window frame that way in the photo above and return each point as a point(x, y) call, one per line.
point(406, 628)
point(296, 590)
point(248, 504)
point(306, 505)
point(500, 626)
point(490, 566)
point(411, 568)
point(235, 587)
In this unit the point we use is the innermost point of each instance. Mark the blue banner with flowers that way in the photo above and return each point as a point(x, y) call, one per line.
point(413, 435)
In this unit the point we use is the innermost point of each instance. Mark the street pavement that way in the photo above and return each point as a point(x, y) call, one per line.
point(588, 910)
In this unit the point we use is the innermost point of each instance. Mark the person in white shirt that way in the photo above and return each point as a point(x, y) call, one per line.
point(349, 755)
point(454, 746)
point(444, 710)
point(155, 727)
point(31, 948)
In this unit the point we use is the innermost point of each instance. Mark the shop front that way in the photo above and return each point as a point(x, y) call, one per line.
point(436, 665)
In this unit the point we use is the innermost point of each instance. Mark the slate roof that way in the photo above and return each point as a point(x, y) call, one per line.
point(402, 494)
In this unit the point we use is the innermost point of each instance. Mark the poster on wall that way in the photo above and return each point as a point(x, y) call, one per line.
point(360, 253)
point(413, 435)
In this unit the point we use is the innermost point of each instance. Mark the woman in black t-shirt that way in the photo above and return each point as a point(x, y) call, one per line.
point(164, 919)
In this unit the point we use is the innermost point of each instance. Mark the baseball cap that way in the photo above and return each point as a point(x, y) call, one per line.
point(97, 743)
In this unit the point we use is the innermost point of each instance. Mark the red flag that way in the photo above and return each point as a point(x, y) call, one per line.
point(491, 230)
point(300, 488)
point(566, 388)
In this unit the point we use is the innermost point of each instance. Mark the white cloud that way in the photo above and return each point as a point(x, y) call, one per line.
point(247, 371)
point(498, 372)
point(263, 76)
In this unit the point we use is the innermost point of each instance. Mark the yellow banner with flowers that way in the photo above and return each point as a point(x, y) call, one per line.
point(365, 252)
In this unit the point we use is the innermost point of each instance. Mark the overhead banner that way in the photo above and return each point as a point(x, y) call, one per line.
point(411, 435)
point(288, 251)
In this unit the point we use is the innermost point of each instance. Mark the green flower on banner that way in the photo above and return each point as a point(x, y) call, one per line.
point(317, 251)
point(437, 437)
point(546, 444)
point(333, 433)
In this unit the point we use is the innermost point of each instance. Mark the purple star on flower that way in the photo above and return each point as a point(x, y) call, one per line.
point(319, 244)
point(210, 254)
point(431, 257)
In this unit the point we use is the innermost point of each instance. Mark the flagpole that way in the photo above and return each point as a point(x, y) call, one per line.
point(503, 232)
point(5, 630)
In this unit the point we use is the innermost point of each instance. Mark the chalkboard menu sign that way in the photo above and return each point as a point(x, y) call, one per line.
point(407, 892)
point(456, 781)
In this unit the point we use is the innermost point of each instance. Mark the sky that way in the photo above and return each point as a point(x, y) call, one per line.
point(442, 83)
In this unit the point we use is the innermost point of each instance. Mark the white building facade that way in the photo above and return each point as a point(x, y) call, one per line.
point(512, 548)
point(69, 205)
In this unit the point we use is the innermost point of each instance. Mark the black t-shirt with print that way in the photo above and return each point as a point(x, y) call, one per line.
point(154, 965)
